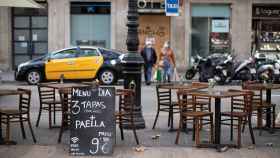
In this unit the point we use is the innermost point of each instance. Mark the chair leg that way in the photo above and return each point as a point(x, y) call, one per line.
point(31, 130)
point(239, 133)
point(259, 119)
point(121, 130)
point(7, 139)
point(179, 131)
point(135, 135)
point(171, 117)
point(273, 117)
point(194, 126)
point(50, 116)
point(22, 128)
point(39, 116)
point(63, 123)
point(155, 122)
point(197, 131)
point(231, 128)
point(185, 125)
point(201, 120)
point(211, 129)
point(243, 125)
point(251, 129)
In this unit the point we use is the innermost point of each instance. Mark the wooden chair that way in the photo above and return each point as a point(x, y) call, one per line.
point(260, 106)
point(48, 103)
point(19, 115)
point(188, 110)
point(126, 113)
point(165, 104)
point(241, 110)
point(202, 103)
point(65, 97)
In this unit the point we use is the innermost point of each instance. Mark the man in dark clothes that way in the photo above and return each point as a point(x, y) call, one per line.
point(150, 59)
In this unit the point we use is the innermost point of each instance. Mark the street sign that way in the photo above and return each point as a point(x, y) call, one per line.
point(172, 7)
point(92, 121)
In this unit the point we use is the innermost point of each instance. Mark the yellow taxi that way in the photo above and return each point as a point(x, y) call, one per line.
point(73, 63)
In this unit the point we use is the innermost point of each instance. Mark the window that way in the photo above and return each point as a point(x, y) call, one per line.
point(88, 53)
point(70, 53)
point(210, 29)
point(108, 54)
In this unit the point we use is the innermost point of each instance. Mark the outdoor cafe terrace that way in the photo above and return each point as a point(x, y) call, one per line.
point(159, 141)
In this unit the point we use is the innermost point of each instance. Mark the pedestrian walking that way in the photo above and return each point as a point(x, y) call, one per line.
point(167, 61)
point(150, 59)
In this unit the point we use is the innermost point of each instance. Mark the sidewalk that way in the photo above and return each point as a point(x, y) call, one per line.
point(163, 147)
point(7, 77)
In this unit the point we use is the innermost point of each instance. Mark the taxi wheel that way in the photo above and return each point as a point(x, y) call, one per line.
point(33, 77)
point(107, 77)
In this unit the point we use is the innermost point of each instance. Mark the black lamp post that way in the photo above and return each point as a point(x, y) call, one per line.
point(133, 61)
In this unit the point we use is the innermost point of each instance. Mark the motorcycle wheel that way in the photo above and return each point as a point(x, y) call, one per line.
point(190, 74)
point(270, 75)
point(246, 75)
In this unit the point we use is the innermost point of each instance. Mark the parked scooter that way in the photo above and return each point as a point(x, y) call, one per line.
point(265, 66)
point(234, 70)
point(206, 67)
point(196, 63)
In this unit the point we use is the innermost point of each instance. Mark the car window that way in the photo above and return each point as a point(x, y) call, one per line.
point(70, 53)
point(88, 53)
point(109, 55)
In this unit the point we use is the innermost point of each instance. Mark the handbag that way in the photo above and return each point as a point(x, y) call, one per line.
point(157, 75)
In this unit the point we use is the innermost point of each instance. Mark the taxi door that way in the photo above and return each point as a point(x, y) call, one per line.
point(89, 61)
point(62, 63)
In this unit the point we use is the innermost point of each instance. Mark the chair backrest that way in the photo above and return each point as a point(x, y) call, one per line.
point(243, 103)
point(184, 103)
point(197, 84)
point(258, 92)
point(45, 93)
point(24, 100)
point(65, 97)
point(126, 100)
point(163, 95)
point(126, 105)
point(200, 98)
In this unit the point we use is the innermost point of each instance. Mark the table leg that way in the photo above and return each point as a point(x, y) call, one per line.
point(268, 111)
point(217, 132)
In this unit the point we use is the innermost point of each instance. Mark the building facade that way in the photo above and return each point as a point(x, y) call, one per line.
point(203, 27)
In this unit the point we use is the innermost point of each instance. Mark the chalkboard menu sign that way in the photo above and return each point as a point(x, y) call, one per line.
point(92, 121)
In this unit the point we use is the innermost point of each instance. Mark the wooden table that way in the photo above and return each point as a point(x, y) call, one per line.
point(64, 85)
point(267, 87)
point(186, 87)
point(6, 92)
point(217, 95)
point(183, 87)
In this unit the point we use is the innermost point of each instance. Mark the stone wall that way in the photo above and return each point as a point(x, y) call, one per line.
point(5, 39)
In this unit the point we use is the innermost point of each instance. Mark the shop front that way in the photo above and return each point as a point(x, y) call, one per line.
point(91, 23)
point(210, 29)
point(266, 29)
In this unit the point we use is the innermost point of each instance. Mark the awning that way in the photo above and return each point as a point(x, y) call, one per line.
point(20, 3)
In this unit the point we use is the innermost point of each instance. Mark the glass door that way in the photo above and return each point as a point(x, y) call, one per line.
point(200, 36)
point(30, 34)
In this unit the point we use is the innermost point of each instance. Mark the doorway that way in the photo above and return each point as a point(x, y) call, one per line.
point(30, 34)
